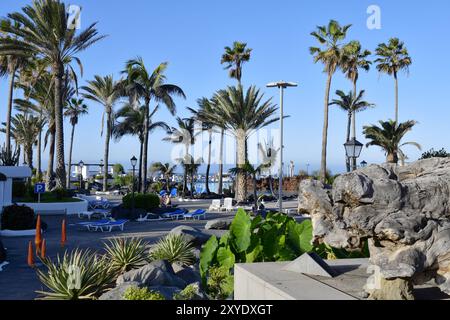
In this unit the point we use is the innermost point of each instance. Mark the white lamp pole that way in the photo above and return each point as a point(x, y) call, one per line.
point(281, 85)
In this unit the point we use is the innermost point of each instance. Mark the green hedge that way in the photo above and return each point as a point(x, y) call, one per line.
point(142, 201)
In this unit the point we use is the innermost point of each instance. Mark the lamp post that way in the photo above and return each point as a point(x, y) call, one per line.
point(281, 85)
point(133, 164)
point(81, 165)
point(353, 150)
point(364, 164)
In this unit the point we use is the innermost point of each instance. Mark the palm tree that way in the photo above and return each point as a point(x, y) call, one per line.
point(234, 58)
point(392, 58)
point(351, 104)
point(75, 109)
point(47, 35)
point(184, 134)
point(166, 169)
point(131, 121)
point(330, 55)
point(243, 114)
point(248, 169)
point(25, 129)
point(104, 90)
point(142, 84)
point(389, 136)
point(355, 58)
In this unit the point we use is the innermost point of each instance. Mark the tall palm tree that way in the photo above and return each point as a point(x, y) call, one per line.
point(234, 58)
point(25, 129)
point(355, 58)
point(47, 35)
point(166, 169)
point(104, 91)
point(351, 104)
point(184, 134)
point(393, 57)
point(149, 86)
point(75, 109)
point(244, 113)
point(131, 121)
point(249, 169)
point(388, 136)
point(331, 53)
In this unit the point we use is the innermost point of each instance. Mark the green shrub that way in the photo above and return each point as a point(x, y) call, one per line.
point(60, 193)
point(220, 285)
point(17, 218)
point(191, 292)
point(79, 275)
point(135, 293)
point(126, 254)
point(19, 189)
point(175, 249)
point(142, 201)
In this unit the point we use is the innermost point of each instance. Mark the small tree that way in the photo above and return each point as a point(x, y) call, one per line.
point(435, 154)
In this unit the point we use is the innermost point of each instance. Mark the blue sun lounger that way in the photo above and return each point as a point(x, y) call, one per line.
point(197, 214)
point(108, 226)
point(175, 215)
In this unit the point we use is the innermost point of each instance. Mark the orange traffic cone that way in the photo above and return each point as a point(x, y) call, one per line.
point(63, 233)
point(38, 237)
point(30, 259)
point(43, 249)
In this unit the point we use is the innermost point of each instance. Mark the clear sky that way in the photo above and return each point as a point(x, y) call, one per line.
point(191, 35)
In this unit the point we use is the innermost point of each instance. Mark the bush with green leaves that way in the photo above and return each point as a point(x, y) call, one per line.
point(191, 292)
point(142, 201)
point(435, 154)
point(175, 249)
point(17, 218)
point(78, 275)
point(135, 293)
point(220, 284)
point(126, 254)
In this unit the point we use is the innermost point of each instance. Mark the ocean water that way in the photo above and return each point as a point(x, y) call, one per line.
point(200, 187)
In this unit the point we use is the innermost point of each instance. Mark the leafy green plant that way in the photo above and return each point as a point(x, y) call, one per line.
point(135, 293)
point(173, 248)
point(220, 284)
point(126, 254)
point(79, 275)
point(189, 293)
point(435, 154)
point(142, 201)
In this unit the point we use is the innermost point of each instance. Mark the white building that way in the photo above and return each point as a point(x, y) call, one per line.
point(7, 174)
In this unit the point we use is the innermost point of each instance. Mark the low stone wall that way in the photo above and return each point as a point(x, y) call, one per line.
point(72, 208)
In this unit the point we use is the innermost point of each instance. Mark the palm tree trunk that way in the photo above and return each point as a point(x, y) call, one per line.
point(208, 167)
point(349, 123)
point(222, 136)
point(240, 178)
point(185, 175)
point(51, 160)
point(9, 112)
point(29, 155)
point(353, 117)
point(106, 155)
point(255, 195)
point(392, 158)
point(145, 149)
point(140, 166)
point(58, 71)
point(396, 97)
point(39, 156)
point(69, 165)
point(323, 167)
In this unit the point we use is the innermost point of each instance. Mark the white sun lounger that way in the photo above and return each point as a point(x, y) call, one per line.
point(215, 206)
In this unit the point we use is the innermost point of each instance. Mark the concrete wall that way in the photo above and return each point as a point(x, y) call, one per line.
point(72, 208)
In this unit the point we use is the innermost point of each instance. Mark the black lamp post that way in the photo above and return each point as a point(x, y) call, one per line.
point(81, 165)
point(133, 164)
point(353, 150)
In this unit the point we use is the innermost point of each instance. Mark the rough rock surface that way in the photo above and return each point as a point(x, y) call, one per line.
point(157, 273)
point(403, 211)
point(218, 224)
point(193, 235)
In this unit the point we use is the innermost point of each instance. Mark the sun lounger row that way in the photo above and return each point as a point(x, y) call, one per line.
point(175, 215)
point(227, 206)
point(104, 225)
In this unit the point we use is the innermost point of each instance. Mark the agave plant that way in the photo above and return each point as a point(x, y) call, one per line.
point(79, 275)
point(126, 254)
point(175, 249)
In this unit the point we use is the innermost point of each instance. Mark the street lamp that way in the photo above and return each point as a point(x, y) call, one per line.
point(81, 165)
point(353, 150)
point(364, 164)
point(133, 164)
point(281, 85)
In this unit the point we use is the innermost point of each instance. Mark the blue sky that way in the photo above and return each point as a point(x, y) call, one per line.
point(191, 35)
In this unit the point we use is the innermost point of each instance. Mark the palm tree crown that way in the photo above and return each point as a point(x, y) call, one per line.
point(392, 57)
point(355, 58)
point(234, 58)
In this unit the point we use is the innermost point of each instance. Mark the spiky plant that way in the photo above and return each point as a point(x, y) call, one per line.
point(126, 254)
point(78, 275)
point(173, 248)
